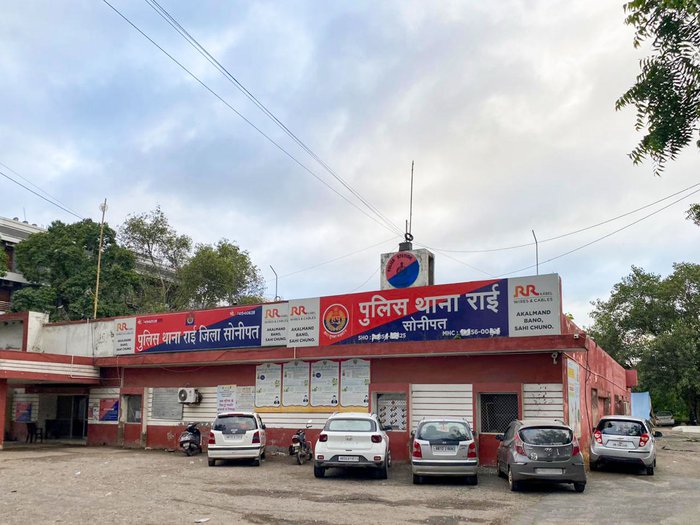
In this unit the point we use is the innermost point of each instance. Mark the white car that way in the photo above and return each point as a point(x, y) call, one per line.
point(237, 435)
point(353, 440)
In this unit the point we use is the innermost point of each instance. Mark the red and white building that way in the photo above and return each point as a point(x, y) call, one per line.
point(489, 351)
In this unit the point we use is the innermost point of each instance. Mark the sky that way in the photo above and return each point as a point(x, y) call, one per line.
point(506, 108)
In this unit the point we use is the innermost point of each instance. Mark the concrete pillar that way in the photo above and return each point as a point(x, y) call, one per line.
point(3, 409)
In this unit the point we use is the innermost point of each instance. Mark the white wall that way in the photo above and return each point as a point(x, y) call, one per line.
point(34, 330)
point(543, 401)
point(11, 335)
point(441, 401)
point(91, 339)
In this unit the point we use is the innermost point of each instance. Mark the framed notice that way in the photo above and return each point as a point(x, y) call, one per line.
point(354, 383)
point(245, 398)
point(295, 384)
point(109, 409)
point(324, 383)
point(268, 385)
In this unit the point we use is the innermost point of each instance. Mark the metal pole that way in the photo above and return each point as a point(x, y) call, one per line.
point(410, 210)
point(537, 253)
point(273, 271)
point(103, 208)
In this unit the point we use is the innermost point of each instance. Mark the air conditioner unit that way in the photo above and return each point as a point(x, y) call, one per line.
point(189, 395)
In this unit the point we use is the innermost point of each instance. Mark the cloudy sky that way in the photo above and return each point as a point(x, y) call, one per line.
point(507, 109)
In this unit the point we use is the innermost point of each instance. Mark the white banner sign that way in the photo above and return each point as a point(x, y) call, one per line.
point(302, 329)
point(268, 385)
point(124, 336)
point(324, 383)
point(274, 324)
point(226, 398)
point(295, 384)
point(354, 383)
point(534, 306)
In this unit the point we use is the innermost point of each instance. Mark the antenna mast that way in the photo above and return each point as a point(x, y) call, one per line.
point(408, 236)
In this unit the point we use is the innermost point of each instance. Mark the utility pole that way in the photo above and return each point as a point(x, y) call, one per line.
point(103, 209)
point(273, 271)
point(537, 253)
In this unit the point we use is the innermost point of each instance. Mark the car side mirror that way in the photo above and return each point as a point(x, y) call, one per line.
point(387, 427)
point(658, 434)
point(263, 426)
point(499, 437)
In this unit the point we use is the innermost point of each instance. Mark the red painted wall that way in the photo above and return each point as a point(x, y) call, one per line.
point(102, 434)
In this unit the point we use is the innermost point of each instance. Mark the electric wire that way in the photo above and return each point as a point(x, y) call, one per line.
point(603, 237)
point(376, 270)
point(575, 231)
point(250, 123)
point(40, 195)
point(52, 197)
point(194, 43)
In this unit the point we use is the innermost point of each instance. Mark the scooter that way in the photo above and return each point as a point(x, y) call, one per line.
point(301, 447)
point(191, 440)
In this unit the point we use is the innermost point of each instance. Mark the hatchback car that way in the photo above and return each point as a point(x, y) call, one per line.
point(543, 450)
point(664, 418)
point(444, 447)
point(237, 435)
point(624, 439)
point(352, 440)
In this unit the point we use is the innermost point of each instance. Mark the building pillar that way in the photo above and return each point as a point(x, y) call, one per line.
point(3, 410)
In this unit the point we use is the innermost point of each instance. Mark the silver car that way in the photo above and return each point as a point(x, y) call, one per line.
point(543, 450)
point(664, 418)
point(624, 439)
point(444, 447)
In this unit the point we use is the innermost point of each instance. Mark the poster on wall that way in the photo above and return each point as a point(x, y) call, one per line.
point(246, 398)
point(392, 410)
point(535, 306)
point(124, 335)
point(268, 385)
point(226, 396)
point(295, 384)
point(302, 327)
point(354, 383)
point(23, 411)
point(324, 383)
point(109, 409)
point(574, 396)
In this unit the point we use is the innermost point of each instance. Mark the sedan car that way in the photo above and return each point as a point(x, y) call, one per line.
point(237, 435)
point(543, 450)
point(444, 447)
point(352, 440)
point(664, 418)
point(624, 439)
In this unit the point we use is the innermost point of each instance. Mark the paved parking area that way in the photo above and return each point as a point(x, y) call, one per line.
point(106, 485)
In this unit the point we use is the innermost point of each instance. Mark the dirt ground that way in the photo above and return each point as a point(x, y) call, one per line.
point(107, 485)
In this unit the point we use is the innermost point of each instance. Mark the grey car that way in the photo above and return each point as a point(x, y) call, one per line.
point(444, 447)
point(624, 439)
point(543, 450)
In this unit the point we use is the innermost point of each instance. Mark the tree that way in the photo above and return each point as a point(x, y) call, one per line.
point(694, 214)
point(653, 324)
point(667, 91)
point(219, 275)
point(4, 267)
point(61, 265)
point(160, 253)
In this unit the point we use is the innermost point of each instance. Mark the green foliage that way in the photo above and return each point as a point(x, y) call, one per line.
point(653, 324)
point(3, 262)
point(694, 214)
point(667, 91)
point(160, 252)
point(219, 275)
point(61, 264)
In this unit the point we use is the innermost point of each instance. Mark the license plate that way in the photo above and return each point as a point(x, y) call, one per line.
point(442, 448)
point(621, 444)
point(348, 458)
point(549, 471)
point(234, 437)
point(184, 438)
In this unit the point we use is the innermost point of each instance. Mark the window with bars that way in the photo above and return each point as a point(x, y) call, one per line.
point(497, 412)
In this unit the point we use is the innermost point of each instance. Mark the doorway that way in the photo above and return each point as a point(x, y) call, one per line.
point(71, 418)
point(496, 411)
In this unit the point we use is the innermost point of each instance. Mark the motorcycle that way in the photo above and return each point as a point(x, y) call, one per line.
point(301, 447)
point(191, 440)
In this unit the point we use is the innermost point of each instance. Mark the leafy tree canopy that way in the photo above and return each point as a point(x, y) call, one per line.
point(3, 262)
point(61, 264)
point(160, 252)
point(666, 94)
point(653, 324)
point(218, 275)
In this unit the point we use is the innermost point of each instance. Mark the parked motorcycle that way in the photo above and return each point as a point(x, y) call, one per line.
point(191, 440)
point(301, 447)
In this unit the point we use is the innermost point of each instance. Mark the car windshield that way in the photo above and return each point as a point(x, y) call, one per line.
point(351, 425)
point(618, 427)
point(235, 424)
point(546, 436)
point(444, 430)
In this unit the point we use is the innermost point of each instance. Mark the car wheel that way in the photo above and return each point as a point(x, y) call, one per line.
point(388, 458)
point(211, 462)
point(417, 480)
point(579, 487)
point(650, 471)
point(499, 470)
point(319, 472)
point(262, 456)
point(383, 471)
point(256, 462)
point(472, 480)
point(594, 465)
point(514, 485)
